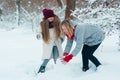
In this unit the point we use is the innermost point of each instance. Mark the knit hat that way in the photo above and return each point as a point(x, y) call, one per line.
point(48, 13)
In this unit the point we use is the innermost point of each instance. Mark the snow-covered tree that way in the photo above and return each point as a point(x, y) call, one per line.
point(107, 18)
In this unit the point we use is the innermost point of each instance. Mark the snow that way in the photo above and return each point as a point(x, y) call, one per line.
point(92, 1)
point(20, 59)
point(20, 51)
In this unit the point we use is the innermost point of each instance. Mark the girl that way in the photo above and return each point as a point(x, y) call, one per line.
point(87, 35)
point(50, 30)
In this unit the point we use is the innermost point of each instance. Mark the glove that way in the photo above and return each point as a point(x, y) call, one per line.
point(61, 40)
point(38, 36)
point(67, 58)
point(65, 54)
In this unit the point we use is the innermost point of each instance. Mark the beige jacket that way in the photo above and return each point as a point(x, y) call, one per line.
point(47, 47)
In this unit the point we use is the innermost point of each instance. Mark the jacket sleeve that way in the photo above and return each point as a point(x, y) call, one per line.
point(39, 33)
point(68, 45)
point(79, 42)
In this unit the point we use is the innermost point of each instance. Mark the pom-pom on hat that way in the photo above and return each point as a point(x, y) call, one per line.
point(48, 13)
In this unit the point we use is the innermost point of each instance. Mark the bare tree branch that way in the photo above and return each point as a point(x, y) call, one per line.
point(60, 3)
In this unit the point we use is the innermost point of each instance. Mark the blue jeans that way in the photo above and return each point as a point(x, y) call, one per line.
point(54, 55)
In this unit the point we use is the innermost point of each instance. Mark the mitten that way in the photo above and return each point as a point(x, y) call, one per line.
point(61, 40)
point(38, 36)
point(67, 58)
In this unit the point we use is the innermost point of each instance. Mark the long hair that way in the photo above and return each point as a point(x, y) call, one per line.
point(45, 29)
point(68, 26)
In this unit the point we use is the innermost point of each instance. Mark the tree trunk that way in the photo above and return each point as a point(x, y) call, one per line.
point(0, 14)
point(70, 6)
point(18, 12)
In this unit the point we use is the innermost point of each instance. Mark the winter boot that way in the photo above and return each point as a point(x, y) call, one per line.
point(99, 68)
point(42, 69)
point(84, 69)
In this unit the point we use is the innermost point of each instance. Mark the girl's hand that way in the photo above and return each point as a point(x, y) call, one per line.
point(38, 36)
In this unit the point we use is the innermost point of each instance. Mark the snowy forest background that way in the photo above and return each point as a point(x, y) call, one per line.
point(28, 13)
point(20, 51)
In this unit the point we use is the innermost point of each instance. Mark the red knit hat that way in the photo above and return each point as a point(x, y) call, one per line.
point(48, 13)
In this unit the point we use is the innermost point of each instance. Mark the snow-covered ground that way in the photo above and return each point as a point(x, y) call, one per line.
point(20, 58)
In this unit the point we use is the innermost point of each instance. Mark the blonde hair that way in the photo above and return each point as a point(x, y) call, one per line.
point(68, 26)
point(45, 29)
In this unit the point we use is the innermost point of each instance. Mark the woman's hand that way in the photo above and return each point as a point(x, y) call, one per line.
point(38, 36)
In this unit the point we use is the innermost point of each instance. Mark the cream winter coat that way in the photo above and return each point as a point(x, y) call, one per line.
point(47, 47)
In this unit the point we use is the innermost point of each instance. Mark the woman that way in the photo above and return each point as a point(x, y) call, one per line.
point(50, 30)
point(87, 35)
